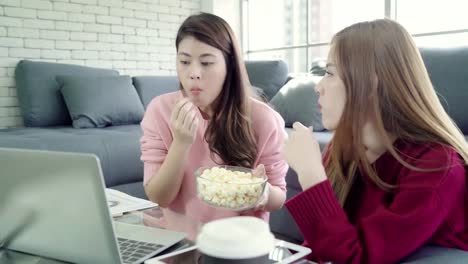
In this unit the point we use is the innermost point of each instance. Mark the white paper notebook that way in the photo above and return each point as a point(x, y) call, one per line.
point(120, 202)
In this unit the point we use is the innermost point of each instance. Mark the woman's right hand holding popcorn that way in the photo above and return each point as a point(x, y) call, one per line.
point(184, 122)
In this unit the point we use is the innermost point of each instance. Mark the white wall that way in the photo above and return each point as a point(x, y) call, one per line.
point(135, 37)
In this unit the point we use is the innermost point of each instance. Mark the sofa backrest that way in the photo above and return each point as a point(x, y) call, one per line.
point(448, 70)
point(39, 97)
point(269, 75)
point(42, 104)
point(149, 87)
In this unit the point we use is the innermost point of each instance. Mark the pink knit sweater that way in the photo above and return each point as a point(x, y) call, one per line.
point(187, 212)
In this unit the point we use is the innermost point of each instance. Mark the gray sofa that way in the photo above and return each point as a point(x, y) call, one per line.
point(118, 146)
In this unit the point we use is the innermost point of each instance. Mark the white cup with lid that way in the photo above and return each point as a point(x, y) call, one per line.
point(239, 240)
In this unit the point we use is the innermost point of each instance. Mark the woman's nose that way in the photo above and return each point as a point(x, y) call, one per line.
point(195, 76)
point(319, 88)
point(194, 73)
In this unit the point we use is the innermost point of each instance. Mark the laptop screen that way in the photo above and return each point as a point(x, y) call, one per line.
point(53, 204)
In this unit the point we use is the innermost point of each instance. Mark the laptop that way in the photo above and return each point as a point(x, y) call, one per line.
point(53, 204)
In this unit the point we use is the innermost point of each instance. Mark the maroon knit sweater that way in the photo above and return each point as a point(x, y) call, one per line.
point(383, 227)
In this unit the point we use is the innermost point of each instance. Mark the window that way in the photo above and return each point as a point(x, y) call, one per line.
point(434, 16)
point(299, 31)
point(439, 24)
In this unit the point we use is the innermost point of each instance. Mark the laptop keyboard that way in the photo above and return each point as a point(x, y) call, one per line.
point(133, 250)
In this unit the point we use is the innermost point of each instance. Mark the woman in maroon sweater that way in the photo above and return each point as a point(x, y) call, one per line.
point(393, 177)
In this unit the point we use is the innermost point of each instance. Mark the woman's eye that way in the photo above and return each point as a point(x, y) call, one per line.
point(184, 62)
point(206, 63)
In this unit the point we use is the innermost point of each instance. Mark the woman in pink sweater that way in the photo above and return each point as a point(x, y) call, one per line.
point(393, 177)
point(212, 120)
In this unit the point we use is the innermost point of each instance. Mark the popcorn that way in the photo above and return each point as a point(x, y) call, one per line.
point(231, 189)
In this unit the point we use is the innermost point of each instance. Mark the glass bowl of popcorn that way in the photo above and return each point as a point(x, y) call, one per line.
point(230, 187)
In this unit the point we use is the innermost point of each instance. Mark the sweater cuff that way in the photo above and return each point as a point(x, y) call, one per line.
point(317, 202)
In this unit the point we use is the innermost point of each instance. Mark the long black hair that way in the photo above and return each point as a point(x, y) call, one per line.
point(229, 133)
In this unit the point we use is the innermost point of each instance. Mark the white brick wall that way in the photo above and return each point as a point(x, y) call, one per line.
point(135, 37)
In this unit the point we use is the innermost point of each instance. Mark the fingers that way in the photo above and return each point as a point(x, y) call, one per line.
point(194, 124)
point(177, 108)
point(188, 119)
point(184, 121)
point(191, 121)
point(259, 170)
point(185, 109)
point(298, 126)
point(180, 104)
point(181, 109)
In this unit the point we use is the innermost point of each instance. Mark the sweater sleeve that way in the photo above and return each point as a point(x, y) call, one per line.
point(270, 136)
point(154, 142)
point(391, 232)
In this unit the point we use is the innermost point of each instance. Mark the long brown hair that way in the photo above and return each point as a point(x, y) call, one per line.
point(402, 104)
point(229, 133)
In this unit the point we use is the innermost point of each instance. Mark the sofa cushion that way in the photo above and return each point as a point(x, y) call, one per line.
point(117, 147)
point(39, 97)
point(298, 101)
point(149, 87)
point(101, 101)
point(448, 70)
point(432, 254)
point(268, 75)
